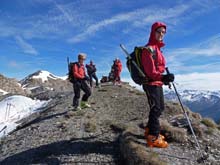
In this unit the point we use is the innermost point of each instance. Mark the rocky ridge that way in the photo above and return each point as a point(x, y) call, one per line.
point(111, 132)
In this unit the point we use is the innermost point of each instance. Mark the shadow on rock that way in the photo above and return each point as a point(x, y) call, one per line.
point(50, 153)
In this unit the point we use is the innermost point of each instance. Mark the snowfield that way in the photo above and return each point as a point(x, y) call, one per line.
point(14, 108)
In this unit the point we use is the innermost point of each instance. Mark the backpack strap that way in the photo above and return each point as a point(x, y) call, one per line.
point(152, 51)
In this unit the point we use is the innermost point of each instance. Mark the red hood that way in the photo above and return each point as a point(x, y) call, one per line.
point(152, 39)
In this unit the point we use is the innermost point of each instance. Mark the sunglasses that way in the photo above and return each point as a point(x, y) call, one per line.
point(161, 32)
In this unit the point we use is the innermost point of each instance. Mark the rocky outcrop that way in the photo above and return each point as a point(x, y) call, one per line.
point(11, 85)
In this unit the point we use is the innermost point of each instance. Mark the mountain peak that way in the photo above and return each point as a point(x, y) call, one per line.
point(43, 75)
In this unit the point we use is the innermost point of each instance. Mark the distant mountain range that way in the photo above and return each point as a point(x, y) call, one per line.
point(207, 103)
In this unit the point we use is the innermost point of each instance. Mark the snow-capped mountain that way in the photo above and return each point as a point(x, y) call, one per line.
point(207, 103)
point(43, 81)
point(43, 76)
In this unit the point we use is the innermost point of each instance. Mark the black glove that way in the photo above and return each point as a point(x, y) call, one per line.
point(166, 83)
point(168, 78)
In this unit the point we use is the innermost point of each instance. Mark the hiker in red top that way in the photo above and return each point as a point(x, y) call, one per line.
point(153, 63)
point(117, 70)
point(80, 82)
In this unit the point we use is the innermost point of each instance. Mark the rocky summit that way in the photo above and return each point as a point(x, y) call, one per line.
point(110, 132)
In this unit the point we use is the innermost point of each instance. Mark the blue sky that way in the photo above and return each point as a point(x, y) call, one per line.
point(40, 34)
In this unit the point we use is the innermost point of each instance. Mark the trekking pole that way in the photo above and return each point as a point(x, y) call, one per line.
point(133, 62)
point(187, 118)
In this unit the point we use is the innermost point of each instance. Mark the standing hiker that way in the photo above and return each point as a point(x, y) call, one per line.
point(91, 70)
point(117, 70)
point(153, 63)
point(80, 82)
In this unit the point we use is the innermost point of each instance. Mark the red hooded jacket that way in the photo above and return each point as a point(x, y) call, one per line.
point(154, 63)
point(118, 65)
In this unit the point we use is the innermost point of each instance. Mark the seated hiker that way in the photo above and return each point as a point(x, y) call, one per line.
point(80, 82)
point(91, 70)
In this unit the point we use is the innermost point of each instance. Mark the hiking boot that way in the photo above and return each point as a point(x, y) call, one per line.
point(84, 104)
point(146, 133)
point(78, 108)
point(153, 141)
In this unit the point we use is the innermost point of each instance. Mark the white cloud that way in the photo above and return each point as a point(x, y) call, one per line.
point(136, 18)
point(64, 12)
point(199, 81)
point(26, 47)
point(179, 58)
point(193, 81)
point(208, 50)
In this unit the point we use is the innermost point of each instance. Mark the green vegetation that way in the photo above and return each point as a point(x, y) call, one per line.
point(209, 122)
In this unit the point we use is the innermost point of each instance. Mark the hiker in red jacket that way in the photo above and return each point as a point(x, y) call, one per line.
point(117, 70)
point(154, 63)
point(80, 82)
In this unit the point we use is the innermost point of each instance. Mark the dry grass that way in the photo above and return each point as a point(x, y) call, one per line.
point(209, 123)
point(90, 126)
point(173, 133)
point(197, 129)
point(118, 127)
point(209, 131)
point(135, 153)
point(140, 93)
point(172, 108)
point(196, 116)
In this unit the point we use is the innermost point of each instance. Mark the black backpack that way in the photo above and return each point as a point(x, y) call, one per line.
point(135, 59)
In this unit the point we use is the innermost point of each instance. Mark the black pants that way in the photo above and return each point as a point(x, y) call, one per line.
point(156, 103)
point(93, 75)
point(77, 86)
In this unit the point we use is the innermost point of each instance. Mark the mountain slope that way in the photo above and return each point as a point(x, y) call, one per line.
point(106, 133)
point(9, 85)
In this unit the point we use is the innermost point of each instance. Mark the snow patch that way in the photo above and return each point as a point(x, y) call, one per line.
point(14, 108)
point(2, 92)
point(44, 75)
point(63, 77)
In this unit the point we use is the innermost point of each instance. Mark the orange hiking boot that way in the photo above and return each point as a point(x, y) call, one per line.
point(153, 141)
point(147, 133)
